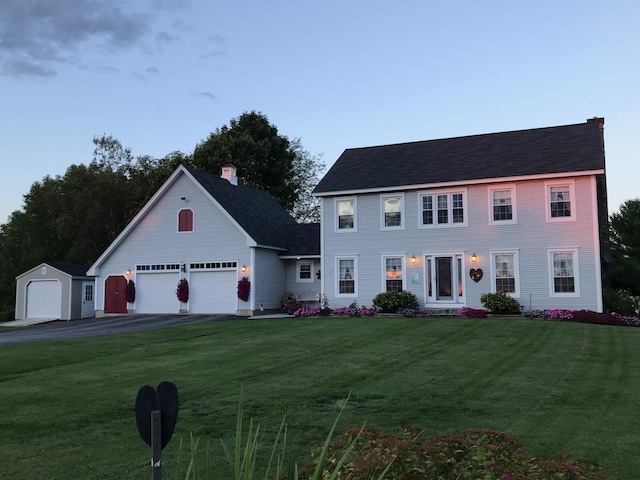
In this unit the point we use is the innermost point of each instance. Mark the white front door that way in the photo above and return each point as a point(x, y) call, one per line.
point(88, 308)
point(444, 280)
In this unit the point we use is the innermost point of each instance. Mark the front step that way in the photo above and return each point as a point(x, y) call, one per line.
point(442, 312)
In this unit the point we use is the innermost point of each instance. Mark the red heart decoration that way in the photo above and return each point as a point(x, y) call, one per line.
point(475, 274)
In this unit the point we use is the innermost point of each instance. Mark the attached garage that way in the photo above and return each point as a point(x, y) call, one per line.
point(55, 291)
point(156, 292)
point(213, 292)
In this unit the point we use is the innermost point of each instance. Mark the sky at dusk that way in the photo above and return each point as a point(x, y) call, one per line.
point(161, 75)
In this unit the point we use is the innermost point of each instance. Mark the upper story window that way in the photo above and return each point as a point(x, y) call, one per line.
point(505, 273)
point(392, 207)
point(346, 214)
point(185, 220)
point(560, 201)
point(503, 204)
point(305, 268)
point(443, 209)
point(563, 272)
point(393, 276)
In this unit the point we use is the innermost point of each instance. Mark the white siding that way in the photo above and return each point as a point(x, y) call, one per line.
point(269, 279)
point(531, 237)
point(156, 238)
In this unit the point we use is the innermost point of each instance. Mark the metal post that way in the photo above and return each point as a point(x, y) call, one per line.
point(156, 445)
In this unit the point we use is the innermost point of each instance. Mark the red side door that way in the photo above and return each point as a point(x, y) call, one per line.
point(115, 298)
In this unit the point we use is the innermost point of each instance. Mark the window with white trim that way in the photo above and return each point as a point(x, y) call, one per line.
point(560, 201)
point(563, 273)
point(305, 271)
point(505, 273)
point(503, 205)
point(393, 274)
point(346, 214)
point(346, 268)
point(392, 208)
point(443, 209)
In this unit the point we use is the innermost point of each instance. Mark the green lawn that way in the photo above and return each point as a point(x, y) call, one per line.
point(66, 407)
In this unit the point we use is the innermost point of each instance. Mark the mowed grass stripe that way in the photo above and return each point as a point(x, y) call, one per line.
point(555, 386)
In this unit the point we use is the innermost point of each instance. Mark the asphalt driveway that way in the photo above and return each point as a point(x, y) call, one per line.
point(102, 326)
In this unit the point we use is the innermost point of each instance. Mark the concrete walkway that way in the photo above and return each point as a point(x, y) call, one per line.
point(27, 322)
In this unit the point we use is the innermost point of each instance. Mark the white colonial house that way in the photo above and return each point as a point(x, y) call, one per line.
point(524, 212)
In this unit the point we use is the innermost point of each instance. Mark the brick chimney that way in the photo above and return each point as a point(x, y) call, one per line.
point(229, 173)
point(598, 120)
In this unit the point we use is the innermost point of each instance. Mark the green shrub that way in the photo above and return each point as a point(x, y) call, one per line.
point(391, 302)
point(500, 302)
point(621, 301)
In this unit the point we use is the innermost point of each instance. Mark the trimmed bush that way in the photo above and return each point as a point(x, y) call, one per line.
point(391, 302)
point(500, 302)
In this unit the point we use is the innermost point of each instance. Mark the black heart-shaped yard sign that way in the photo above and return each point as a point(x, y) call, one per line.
point(164, 399)
point(475, 274)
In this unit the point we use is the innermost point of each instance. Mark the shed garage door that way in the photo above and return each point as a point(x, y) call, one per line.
point(156, 293)
point(44, 299)
point(213, 292)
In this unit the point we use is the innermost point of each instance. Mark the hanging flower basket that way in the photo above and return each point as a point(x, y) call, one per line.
point(244, 287)
point(182, 291)
point(131, 291)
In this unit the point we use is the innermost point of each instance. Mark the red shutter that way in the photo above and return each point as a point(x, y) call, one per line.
point(185, 221)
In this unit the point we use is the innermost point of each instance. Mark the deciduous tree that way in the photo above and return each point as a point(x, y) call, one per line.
point(265, 159)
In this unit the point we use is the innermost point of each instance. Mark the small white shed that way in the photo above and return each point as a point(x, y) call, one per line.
point(55, 291)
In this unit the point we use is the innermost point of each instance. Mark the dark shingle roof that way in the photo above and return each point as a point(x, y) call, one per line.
point(257, 212)
point(73, 270)
point(303, 240)
point(541, 151)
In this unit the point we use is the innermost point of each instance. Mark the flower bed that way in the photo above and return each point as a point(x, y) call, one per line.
point(584, 316)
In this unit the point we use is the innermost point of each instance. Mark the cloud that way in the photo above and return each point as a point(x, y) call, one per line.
point(164, 37)
point(24, 68)
point(208, 95)
point(152, 71)
point(36, 36)
point(218, 42)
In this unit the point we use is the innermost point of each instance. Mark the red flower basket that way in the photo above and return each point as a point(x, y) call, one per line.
point(182, 291)
point(244, 287)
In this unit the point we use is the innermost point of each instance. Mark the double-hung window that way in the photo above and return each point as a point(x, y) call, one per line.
point(505, 273)
point(563, 273)
point(346, 214)
point(560, 201)
point(393, 274)
point(502, 200)
point(392, 207)
point(443, 209)
point(305, 271)
point(346, 269)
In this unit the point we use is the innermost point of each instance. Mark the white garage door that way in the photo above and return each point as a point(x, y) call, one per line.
point(44, 299)
point(156, 293)
point(213, 292)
